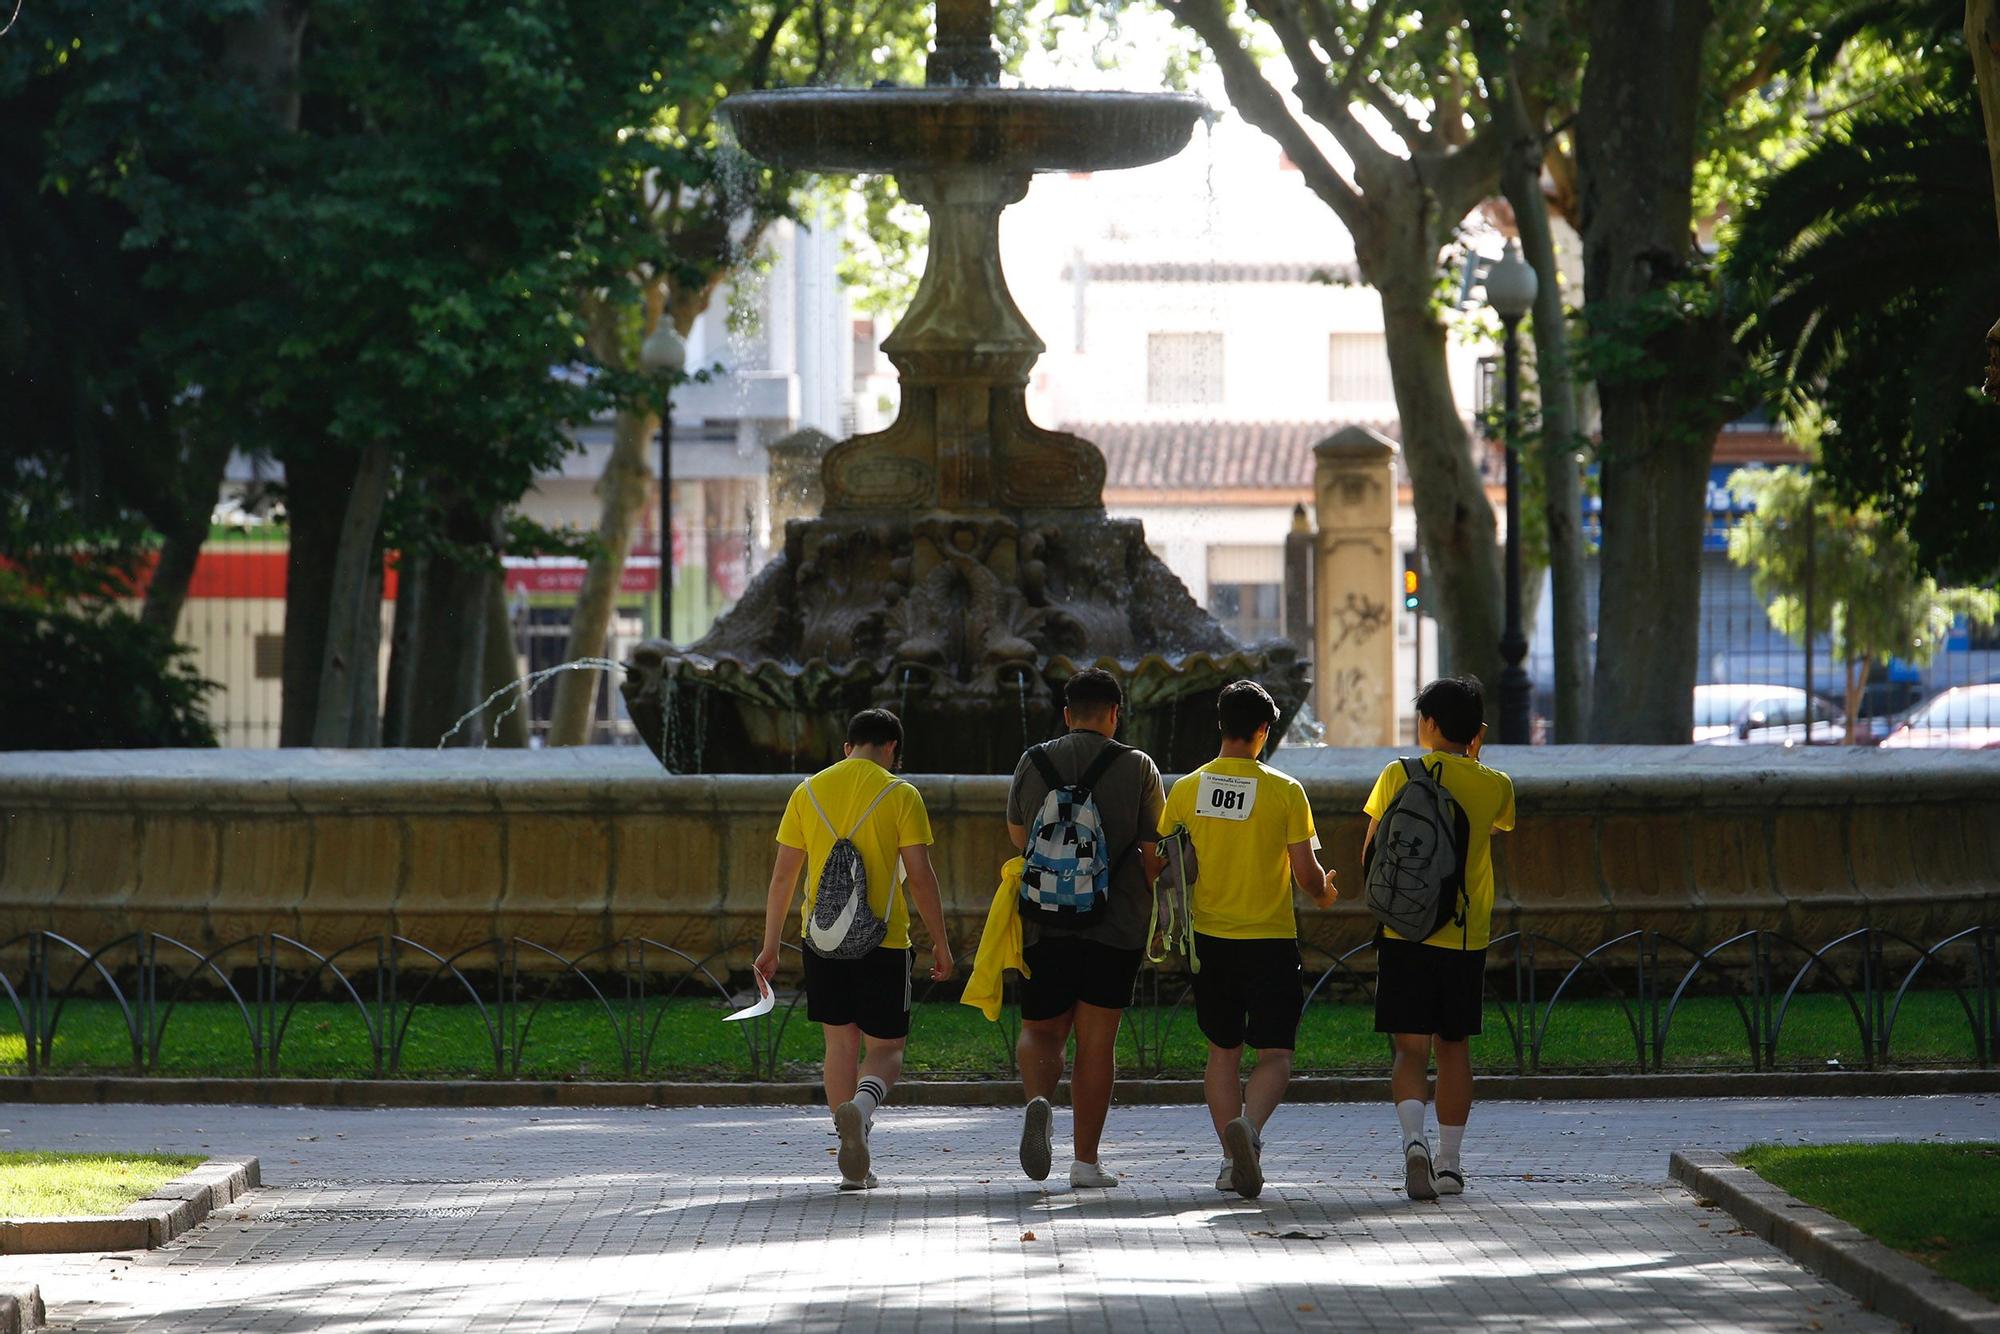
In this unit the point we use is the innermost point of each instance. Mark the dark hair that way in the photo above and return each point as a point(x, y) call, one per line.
point(1242, 708)
point(1092, 691)
point(1457, 704)
point(874, 727)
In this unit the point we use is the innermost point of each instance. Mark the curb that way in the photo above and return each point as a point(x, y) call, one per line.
point(21, 1310)
point(997, 1092)
point(1882, 1278)
point(159, 1218)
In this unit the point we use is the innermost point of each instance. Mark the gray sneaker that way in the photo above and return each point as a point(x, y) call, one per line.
point(1418, 1183)
point(1226, 1178)
point(859, 1183)
point(852, 1127)
point(1037, 1152)
point(1246, 1149)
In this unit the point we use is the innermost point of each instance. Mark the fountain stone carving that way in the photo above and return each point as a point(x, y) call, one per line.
point(963, 567)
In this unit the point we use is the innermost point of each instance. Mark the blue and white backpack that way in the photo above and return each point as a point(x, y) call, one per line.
point(1068, 861)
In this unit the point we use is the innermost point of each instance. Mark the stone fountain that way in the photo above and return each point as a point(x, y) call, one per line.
point(962, 567)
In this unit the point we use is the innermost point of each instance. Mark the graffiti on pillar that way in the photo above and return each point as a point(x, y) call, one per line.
point(1355, 621)
point(1350, 706)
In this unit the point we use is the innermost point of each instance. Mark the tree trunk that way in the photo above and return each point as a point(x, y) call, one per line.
point(262, 49)
point(403, 644)
point(1636, 145)
point(346, 712)
point(502, 668)
point(1857, 681)
point(1982, 38)
point(448, 648)
point(622, 490)
point(1562, 487)
point(1454, 519)
point(315, 482)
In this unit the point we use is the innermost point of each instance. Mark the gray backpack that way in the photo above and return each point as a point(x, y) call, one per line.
point(1415, 871)
point(843, 925)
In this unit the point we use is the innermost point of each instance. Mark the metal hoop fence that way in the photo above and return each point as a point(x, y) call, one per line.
point(1534, 982)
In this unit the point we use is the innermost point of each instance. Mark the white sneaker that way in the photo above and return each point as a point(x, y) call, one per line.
point(1037, 1154)
point(1418, 1183)
point(1448, 1180)
point(852, 1127)
point(859, 1183)
point(1246, 1152)
point(1226, 1178)
point(1090, 1176)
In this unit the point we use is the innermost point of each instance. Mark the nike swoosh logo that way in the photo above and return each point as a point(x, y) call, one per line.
point(829, 938)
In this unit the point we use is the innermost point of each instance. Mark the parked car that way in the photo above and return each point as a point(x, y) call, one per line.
point(1963, 718)
point(1744, 714)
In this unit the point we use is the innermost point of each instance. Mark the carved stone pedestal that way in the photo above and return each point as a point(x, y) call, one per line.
point(1354, 586)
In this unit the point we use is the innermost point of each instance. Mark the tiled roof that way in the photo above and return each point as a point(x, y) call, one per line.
point(1227, 271)
point(1211, 456)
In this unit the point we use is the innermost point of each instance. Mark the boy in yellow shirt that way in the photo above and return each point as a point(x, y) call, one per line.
point(1430, 994)
point(858, 810)
point(1252, 832)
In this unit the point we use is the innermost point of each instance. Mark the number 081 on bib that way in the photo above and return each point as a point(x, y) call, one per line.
point(1225, 797)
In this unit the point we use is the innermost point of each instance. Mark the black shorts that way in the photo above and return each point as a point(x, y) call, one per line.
point(1428, 989)
point(871, 992)
point(1064, 970)
point(1248, 992)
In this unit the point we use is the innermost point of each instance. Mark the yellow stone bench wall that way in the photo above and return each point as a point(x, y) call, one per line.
point(578, 849)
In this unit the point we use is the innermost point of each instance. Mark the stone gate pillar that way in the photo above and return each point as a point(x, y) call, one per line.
point(1354, 588)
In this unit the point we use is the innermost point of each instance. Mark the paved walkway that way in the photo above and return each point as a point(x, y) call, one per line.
point(381, 1220)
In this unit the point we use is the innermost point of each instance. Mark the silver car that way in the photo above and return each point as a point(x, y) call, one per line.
point(1741, 714)
point(1962, 718)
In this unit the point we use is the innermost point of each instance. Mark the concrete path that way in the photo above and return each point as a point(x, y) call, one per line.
point(518, 1219)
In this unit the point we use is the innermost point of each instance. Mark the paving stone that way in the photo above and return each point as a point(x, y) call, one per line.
point(617, 1218)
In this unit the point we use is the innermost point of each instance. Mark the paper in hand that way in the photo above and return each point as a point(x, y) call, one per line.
point(766, 999)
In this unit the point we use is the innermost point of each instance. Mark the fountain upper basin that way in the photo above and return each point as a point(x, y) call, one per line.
point(901, 129)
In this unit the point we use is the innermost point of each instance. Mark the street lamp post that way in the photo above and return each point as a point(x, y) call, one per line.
point(1510, 291)
point(665, 352)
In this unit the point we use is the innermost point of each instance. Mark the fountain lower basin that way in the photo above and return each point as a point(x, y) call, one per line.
point(923, 129)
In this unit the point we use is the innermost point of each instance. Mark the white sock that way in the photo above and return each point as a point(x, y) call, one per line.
point(870, 1094)
point(1449, 1140)
point(1410, 1112)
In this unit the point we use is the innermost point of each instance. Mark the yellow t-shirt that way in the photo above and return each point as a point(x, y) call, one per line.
point(1243, 815)
point(901, 821)
point(1487, 797)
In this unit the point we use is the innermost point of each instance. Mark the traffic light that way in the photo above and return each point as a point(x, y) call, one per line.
point(1411, 599)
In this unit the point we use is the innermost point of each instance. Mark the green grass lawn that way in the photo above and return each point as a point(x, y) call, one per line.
point(1937, 1203)
point(576, 1039)
point(50, 1185)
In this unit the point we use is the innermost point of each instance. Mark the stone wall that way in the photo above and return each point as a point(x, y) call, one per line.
point(575, 849)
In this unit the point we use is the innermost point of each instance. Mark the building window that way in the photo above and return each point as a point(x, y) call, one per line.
point(1184, 368)
point(1246, 591)
point(1358, 368)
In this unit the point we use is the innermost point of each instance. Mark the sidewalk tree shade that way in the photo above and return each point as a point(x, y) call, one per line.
point(1856, 570)
point(43, 1184)
point(1937, 1203)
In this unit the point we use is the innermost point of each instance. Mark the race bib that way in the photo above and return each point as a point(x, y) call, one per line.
point(1225, 797)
